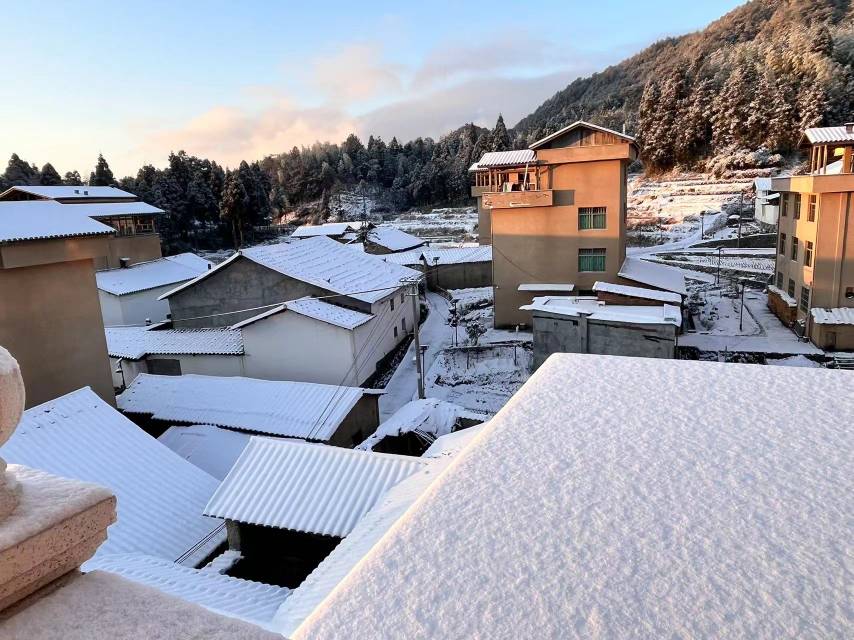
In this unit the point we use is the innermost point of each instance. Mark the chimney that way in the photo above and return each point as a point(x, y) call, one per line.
point(849, 127)
point(124, 263)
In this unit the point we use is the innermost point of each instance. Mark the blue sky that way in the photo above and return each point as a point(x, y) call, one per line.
point(232, 80)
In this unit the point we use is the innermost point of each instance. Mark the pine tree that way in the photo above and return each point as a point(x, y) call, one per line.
point(20, 173)
point(233, 207)
point(102, 176)
point(499, 139)
point(72, 179)
point(49, 176)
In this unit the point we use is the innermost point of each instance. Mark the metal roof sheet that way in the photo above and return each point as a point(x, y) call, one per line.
point(506, 158)
point(307, 487)
point(451, 255)
point(160, 496)
point(45, 219)
point(138, 342)
point(234, 597)
point(211, 449)
point(638, 292)
point(150, 275)
point(821, 135)
point(303, 410)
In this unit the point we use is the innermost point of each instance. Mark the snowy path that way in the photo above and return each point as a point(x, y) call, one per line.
point(403, 385)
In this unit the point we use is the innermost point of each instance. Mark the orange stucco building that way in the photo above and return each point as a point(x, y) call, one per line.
point(813, 288)
point(555, 215)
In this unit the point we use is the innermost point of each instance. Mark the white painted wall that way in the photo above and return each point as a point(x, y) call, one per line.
point(765, 211)
point(208, 365)
point(134, 308)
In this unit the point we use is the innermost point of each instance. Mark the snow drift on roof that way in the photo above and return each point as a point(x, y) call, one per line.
point(68, 192)
point(160, 497)
point(210, 448)
point(313, 488)
point(254, 602)
point(150, 275)
point(655, 275)
point(329, 313)
point(137, 342)
point(289, 409)
point(637, 292)
point(327, 229)
point(617, 511)
point(394, 239)
point(837, 315)
point(43, 219)
point(596, 310)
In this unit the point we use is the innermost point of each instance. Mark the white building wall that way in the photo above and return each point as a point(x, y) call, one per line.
point(376, 339)
point(764, 211)
point(208, 365)
point(111, 309)
point(288, 346)
point(135, 308)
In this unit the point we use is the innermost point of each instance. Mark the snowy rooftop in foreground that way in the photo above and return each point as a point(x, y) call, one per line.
point(637, 292)
point(137, 342)
point(539, 286)
point(42, 219)
point(149, 275)
point(655, 275)
point(595, 310)
point(836, 315)
point(254, 602)
point(671, 506)
point(288, 409)
point(393, 238)
point(307, 487)
point(210, 448)
point(160, 497)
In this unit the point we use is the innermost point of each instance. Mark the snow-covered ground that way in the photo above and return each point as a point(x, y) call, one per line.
point(753, 265)
point(458, 224)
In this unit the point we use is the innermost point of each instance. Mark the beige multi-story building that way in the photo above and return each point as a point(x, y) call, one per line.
point(555, 215)
point(813, 288)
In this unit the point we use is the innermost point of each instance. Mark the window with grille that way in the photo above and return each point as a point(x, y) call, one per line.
point(591, 259)
point(794, 247)
point(780, 280)
point(591, 218)
point(805, 299)
point(813, 208)
point(808, 254)
point(791, 288)
point(782, 244)
point(796, 212)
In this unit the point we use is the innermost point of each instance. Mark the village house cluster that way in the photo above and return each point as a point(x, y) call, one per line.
point(202, 444)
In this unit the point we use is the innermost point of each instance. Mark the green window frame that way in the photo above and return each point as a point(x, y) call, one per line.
point(591, 260)
point(592, 218)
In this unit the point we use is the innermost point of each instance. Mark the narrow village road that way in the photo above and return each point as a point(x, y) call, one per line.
point(403, 385)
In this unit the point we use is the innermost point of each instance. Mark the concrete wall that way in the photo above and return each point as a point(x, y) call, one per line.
point(50, 320)
point(541, 243)
point(135, 308)
point(833, 337)
point(560, 334)
point(207, 365)
point(459, 276)
point(140, 248)
point(360, 423)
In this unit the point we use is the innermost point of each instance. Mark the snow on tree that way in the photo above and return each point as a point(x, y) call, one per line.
point(48, 176)
point(102, 176)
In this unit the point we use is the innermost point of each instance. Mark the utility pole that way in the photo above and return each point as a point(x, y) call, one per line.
point(741, 314)
point(416, 325)
point(718, 275)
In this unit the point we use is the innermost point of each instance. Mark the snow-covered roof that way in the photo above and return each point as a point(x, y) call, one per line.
point(762, 184)
point(655, 275)
point(317, 310)
point(609, 512)
point(576, 125)
point(595, 310)
point(150, 275)
point(137, 342)
point(43, 219)
point(393, 238)
point(254, 602)
point(313, 488)
point(822, 135)
point(504, 159)
point(210, 448)
point(111, 209)
point(68, 192)
point(430, 416)
point(160, 497)
point(540, 286)
point(837, 315)
point(451, 255)
point(303, 410)
point(637, 292)
point(326, 229)
point(783, 295)
point(326, 264)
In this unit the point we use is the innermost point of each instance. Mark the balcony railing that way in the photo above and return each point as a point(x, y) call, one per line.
point(517, 199)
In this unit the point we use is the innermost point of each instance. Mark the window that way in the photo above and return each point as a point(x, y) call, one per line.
point(794, 247)
point(402, 298)
point(813, 208)
point(591, 218)
point(791, 288)
point(784, 204)
point(805, 299)
point(796, 212)
point(782, 244)
point(849, 293)
point(808, 253)
point(395, 332)
point(403, 325)
point(392, 304)
point(780, 280)
point(591, 259)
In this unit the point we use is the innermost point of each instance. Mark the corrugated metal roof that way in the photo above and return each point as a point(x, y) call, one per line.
point(638, 292)
point(506, 158)
point(393, 238)
point(160, 496)
point(43, 219)
point(68, 192)
point(150, 275)
point(138, 342)
point(245, 599)
point(838, 315)
point(211, 449)
point(303, 410)
point(821, 135)
point(452, 255)
point(307, 487)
